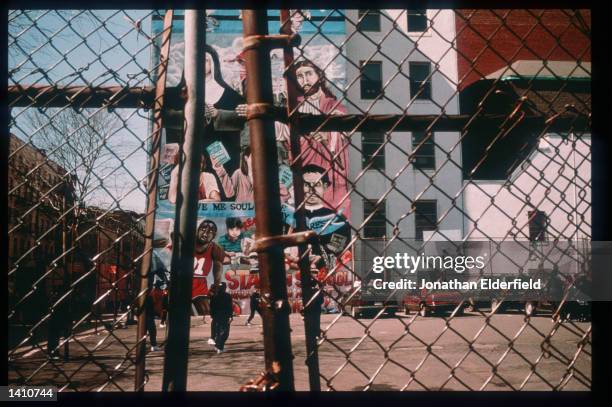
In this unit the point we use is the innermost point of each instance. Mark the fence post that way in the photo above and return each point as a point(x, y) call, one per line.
point(179, 315)
point(276, 326)
point(143, 290)
point(312, 309)
point(68, 262)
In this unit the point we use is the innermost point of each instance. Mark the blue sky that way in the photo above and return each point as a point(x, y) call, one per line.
point(103, 48)
point(98, 48)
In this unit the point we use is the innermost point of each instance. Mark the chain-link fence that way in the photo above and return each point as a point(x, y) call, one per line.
point(399, 134)
point(468, 127)
point(80, 85)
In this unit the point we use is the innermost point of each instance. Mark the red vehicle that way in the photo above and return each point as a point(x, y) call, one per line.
point(434, 302)
point(554, 288)
point(368, 302)
point(428, 302)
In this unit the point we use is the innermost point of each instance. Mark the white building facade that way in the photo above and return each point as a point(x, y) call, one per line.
point(398, 181)
point(555, 179)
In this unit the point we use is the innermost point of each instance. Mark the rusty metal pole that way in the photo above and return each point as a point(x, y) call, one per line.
point(143, 290)
point(116, 278)
point(183, 245)
point(312, 310)
point(277, 336)
point(66, 242)
point(33, 95)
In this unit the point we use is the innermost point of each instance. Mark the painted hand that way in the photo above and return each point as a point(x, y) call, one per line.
point(241, 110)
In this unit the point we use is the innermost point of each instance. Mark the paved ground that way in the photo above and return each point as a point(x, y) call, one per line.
point(403, 339)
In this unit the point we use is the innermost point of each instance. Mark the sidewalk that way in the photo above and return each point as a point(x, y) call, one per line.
point(86, 329)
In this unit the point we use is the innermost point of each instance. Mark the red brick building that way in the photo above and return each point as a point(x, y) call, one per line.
point(116, 243)
point(109, 243)
point(538, 61)
point(489, 40)
point(38, 193)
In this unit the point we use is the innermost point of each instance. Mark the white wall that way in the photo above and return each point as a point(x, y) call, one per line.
point(555, 179)
point(399, 48)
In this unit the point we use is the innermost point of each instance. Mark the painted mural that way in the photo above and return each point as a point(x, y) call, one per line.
point(226, 212)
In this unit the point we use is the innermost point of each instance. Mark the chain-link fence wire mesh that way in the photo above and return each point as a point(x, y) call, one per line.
point(77, 194)
point(498, 152)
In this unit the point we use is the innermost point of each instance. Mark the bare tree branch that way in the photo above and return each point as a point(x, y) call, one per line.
point(87, 143)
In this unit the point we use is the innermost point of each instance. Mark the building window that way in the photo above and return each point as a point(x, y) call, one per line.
point(426, 217)
point(420, 82)
point(538, 222)
point(369, 20)
point(424, 154)
point(417, 20)
point(376, 227)
point(370, 142)
point(371, 79)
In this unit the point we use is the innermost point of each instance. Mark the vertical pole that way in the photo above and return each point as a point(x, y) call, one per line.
point(312, 310)
point(277, 339)
point(67, 270)
point(116, 278)
point(143, 289)
point(132, 280)
point(97, 282)
point(179, 315)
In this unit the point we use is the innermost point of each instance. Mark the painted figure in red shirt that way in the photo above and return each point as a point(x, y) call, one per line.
point(208, 256)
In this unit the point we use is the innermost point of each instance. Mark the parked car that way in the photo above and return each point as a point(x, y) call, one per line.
point(430, 302)
point(368, 302)
point(434, 302)
point(501, 304)
point(548, 300)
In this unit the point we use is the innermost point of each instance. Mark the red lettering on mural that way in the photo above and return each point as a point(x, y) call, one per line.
point(345, 258)
point(252, 282)
point(232, 283)
point(322, 274)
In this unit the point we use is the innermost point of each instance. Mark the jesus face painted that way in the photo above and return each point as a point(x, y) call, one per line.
point(308, 79)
